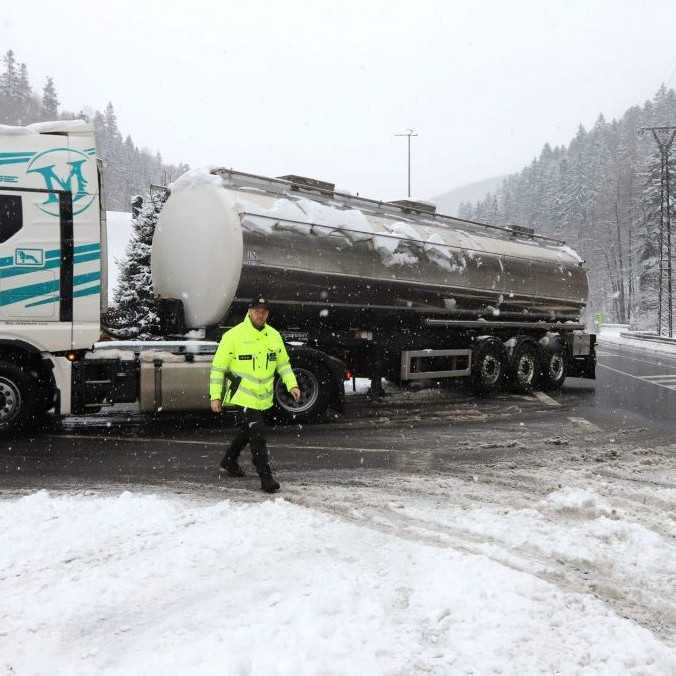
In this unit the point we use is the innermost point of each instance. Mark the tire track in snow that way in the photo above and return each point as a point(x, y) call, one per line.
point(647, 605)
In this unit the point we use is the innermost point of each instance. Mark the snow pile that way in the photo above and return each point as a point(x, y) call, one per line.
point(139, 584)
point(610, 335)
point(565, 250)
point(305, 217)
point(577, 502)
point(574, 529)
point(194, 178)
point(608, 330)
point(12, 130)
point(401, 243)
point(67, 126)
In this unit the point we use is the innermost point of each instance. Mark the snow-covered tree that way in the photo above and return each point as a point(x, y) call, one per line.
point(601, 195)
point(127, 170)
point(50, 101)
point(135, 313)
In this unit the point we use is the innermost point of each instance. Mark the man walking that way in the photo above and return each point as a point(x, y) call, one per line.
point(242, 376)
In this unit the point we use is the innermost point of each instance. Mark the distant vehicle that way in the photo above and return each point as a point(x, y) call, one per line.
point(361, 286)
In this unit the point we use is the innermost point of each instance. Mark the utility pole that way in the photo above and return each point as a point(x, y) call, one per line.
point(409, 133)
point(664, 137)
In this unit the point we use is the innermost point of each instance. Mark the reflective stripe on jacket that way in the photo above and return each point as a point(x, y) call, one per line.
point(244, 366)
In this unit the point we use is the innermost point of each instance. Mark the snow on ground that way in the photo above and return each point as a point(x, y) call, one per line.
point(119, 232)
point(374, 581)
point(357, 386)
point(610, 335)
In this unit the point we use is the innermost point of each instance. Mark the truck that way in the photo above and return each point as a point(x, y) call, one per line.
point(357, 286)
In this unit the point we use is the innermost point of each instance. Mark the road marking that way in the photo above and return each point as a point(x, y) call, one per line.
point(546, 399)
point(298, 447)
point(585, 424)
point(107, 437)
point(604, 349)
point(667, 380)
point(658, 358)
point(631, 375)
point(221, 444)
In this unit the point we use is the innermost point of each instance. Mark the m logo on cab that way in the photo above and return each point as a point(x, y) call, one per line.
point(60, 174)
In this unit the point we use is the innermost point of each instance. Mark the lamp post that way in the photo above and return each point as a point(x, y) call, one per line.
point(409, 133)
point(664, 137)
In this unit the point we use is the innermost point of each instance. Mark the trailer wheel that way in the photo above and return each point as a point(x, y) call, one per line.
point(488, 367)
point(553, 370)
point(18, 391)
point(525, 365)
point(314, 381)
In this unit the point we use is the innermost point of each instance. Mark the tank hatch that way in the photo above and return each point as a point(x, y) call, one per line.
point(412, 205)
point(521, 231)
point(305, 183)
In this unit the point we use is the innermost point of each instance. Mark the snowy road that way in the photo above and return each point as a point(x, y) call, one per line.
point(418, 535)
point(638, 377)
point(471, 579)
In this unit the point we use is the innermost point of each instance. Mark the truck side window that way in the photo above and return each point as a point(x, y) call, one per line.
point(11, 216)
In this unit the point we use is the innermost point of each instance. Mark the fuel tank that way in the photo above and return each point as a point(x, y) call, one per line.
point(224, 236)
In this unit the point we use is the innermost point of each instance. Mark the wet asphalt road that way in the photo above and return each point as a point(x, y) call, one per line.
point(411, 432)
point(637, 379)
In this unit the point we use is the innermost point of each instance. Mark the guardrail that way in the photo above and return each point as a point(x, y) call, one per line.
point(648, 337)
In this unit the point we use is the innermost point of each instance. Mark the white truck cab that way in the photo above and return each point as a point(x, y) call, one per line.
point(52, 262)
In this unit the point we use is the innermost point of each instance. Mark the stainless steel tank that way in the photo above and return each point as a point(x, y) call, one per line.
point(224, 236)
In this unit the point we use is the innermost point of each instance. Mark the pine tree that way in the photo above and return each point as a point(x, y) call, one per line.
point(600, 194)
point(9, 81)
point(127, 170)
point(50, 101)
point(135, 314)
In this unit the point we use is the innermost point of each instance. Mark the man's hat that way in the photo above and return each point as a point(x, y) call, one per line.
point(259, 300)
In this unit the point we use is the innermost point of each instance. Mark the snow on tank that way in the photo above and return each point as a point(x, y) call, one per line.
point(213, 215)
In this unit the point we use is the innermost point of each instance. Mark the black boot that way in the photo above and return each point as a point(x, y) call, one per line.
point(231, 467)
point(268, 483)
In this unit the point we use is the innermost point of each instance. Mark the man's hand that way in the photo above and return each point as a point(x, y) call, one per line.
point(295, 393)
point(216, 405)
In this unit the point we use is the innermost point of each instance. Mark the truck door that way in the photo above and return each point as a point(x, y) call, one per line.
point(35, 257)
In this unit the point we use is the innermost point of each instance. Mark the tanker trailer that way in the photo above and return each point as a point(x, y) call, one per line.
point(370, 287)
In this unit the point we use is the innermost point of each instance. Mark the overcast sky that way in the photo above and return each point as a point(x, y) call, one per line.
point(320, 88)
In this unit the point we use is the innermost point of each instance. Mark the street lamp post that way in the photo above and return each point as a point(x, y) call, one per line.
point(409, 133)
point(664, 137)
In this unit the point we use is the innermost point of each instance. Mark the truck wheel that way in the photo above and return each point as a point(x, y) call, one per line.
point(525, 365)
point(314, 381)
point(488, 367)
point(553, 369)
point(17, 398)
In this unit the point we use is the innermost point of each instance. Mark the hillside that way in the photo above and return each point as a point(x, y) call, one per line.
point(449, 202)
point(600, 193)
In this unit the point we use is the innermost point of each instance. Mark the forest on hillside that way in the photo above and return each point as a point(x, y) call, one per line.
point(127, 169)
point(601, 194)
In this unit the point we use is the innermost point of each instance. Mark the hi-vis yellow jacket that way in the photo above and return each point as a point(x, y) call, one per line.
point(244, 366)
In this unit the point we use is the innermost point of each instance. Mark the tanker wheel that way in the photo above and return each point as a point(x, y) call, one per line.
point(18, 391)
point(525, 365)
point(553, 368)
point(488, 367)
point(314, 383)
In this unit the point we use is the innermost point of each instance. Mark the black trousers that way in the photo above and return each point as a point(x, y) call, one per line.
point(252, 430)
